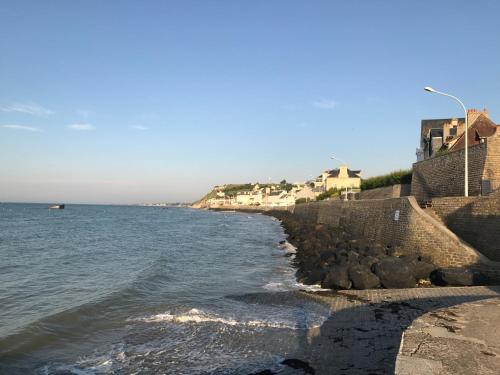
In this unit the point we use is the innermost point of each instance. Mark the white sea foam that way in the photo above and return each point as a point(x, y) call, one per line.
point(288, 247)
point(311, 288)
point(276, 287)
point(196, 316)
point(290, 285)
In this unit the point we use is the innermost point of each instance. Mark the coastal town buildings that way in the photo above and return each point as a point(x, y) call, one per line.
point(441, 135)
point(306, 193)
point(279, 199)
point(440, 167)
point(340, 178)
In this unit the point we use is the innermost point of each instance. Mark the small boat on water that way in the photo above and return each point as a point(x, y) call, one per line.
point(57, 207)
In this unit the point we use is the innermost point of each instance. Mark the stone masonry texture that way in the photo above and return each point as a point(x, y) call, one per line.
point(443, 176)
point(401, 223)
point(476, 220)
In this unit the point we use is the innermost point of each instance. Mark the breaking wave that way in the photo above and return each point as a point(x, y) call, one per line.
point(199, 317)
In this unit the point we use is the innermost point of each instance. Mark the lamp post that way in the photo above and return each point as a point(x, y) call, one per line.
point(333, 157)
point(466, 187)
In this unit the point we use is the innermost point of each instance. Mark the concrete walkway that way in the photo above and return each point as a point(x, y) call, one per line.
point(363, 334)
point(462, 339)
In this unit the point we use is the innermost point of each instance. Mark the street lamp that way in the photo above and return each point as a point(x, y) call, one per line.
point(333, 157)
point(430, 89)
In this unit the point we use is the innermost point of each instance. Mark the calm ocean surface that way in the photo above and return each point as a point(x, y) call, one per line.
point(122, 289)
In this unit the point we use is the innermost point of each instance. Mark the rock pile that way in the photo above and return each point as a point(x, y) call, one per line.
point(330, 257)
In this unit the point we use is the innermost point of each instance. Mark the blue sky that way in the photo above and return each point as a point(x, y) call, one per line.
point(133, 101)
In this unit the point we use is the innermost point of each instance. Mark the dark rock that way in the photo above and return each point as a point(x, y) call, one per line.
point(419, 268)
point(457, 277)
point(352, 256)
point(394, 273)
point(376, 251)
point(299, 365)
point(347, 257)
point(423, 270)
point(325, 255)
point(263, 372)
point(368, 261)
point(362, 246)
point(363, 278)
point(336, 278)
point(314, 276)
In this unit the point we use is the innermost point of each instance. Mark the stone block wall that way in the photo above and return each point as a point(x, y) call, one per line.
point(491, 170)
point(443, 176)
point(474, 219)
point(394, 191)
point(400, 222)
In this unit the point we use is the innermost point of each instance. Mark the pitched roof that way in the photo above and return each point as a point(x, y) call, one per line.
point(335, 173)
point(483, 127)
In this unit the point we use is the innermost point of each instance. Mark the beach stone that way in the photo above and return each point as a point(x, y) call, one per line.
point(336, 278)
point(327, 254)
point(394, 273)
point(314, 276)
point(457, 277)
point(423, 270)
point(419, 268)
point(368, 261)
point(264, 372)
point(363, 278)
point(376, 251)
point(298, 365)
point(347, 257)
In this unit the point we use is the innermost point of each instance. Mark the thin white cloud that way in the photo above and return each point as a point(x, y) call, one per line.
point(139, 127)
point(325, 103)
point(22, 127)
point(30, 108)
point(81, 127)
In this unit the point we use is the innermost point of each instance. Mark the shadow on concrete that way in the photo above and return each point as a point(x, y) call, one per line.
point(364, 337)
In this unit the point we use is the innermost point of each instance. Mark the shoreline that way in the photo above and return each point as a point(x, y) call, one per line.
point(365, 330)
point(331, 258)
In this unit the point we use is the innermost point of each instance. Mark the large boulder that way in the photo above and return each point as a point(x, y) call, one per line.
point(363, 278)
point(336, 278)
point(458, 277)
point(347, 257)
point(423, 270)
point(312, 277)
point(368, 261)
point(419, 268)
point(376, 250)
point(394, 273)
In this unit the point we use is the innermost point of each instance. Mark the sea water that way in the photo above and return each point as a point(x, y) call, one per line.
point(129, 289)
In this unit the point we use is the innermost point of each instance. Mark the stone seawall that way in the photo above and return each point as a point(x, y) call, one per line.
point(443, 176)
point(475, 219)
point(399, 222)
point(394, 191)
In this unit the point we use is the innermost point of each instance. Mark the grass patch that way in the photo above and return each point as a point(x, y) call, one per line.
point(393, 178)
